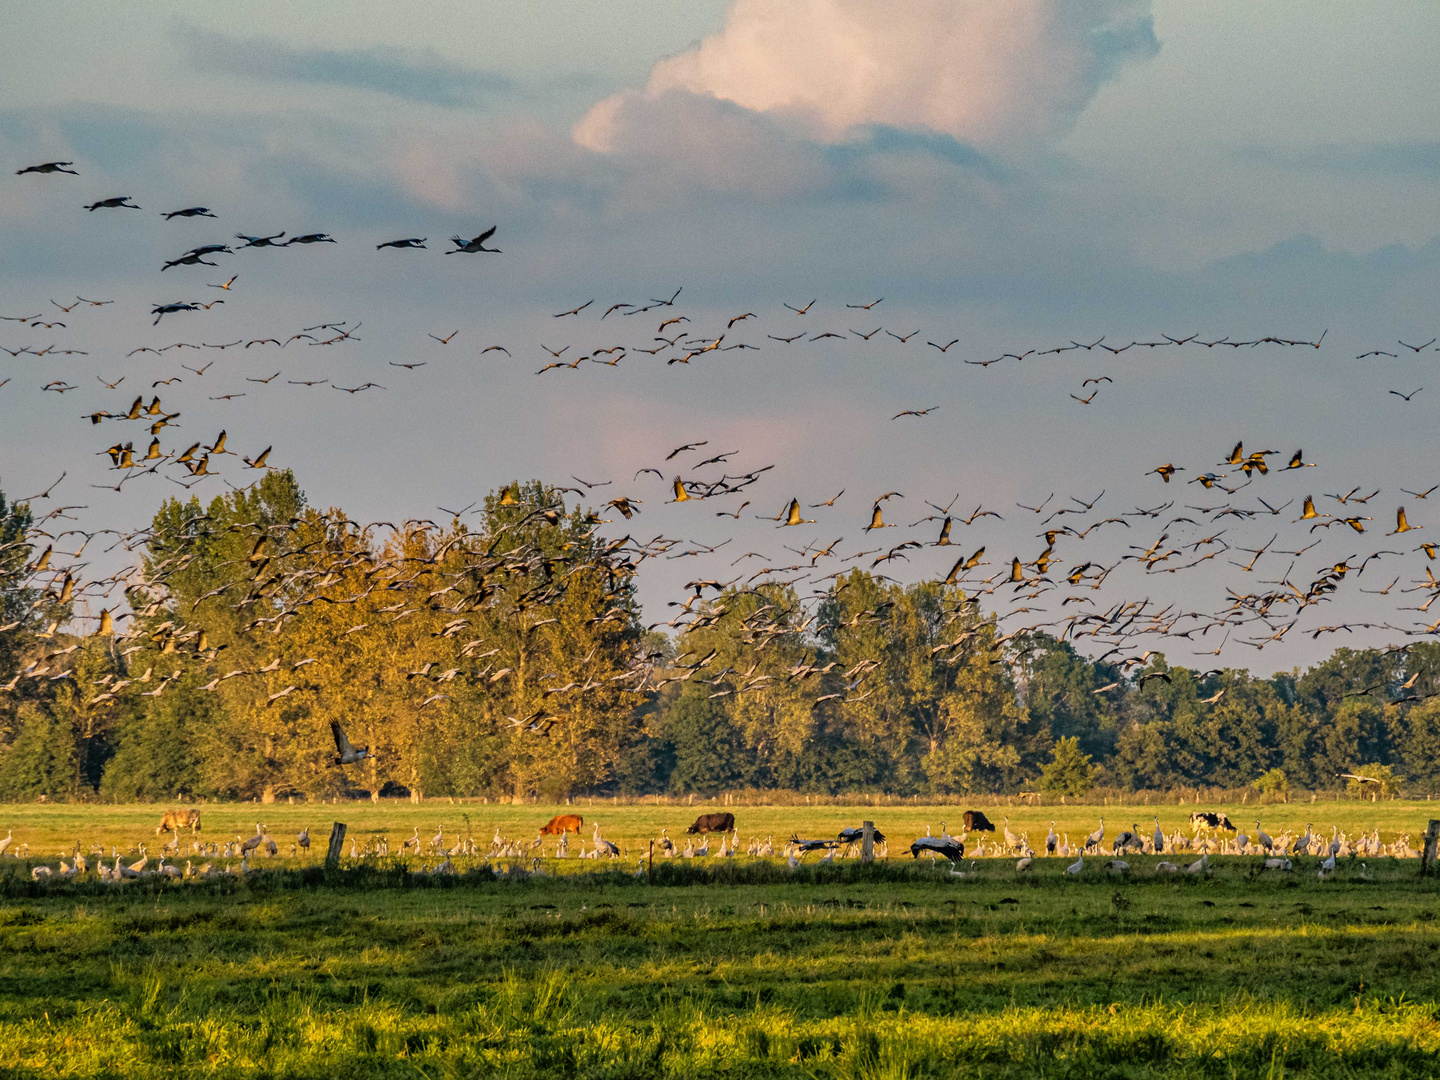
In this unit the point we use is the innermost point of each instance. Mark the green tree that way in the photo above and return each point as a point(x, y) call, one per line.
point(709, 755)
point(1069, 771)
point(1274, 782)
point(40, 761)
point(1421, 746)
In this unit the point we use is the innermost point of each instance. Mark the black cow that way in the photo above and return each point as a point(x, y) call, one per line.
point(713, 823)
point(975, 821)
point(1211, 820)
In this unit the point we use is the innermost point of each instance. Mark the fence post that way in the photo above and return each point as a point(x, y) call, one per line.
point(867, 841)
point(337, 838)
point(650, 880)
point(1427, 856)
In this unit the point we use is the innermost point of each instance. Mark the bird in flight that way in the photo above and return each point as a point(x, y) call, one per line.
point(1408, 396)
point(863, 307)
point(801, 310)
point(574, 311)
point(260, 241)
point(915, 412)
point(409, 242)
point(477, 243)
point(225, 286)
point(189, 211)
point(117, 202)
point(347, 754)
point(444, 340)
point(792, 515)
point(311, 238)
point(48, 167)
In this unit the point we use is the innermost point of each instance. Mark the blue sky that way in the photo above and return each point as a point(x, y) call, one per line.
point(1014, 175)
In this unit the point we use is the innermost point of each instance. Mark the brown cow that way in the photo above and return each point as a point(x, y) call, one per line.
point(560, 824)
point(976, 821)
point(713, 823)
point(179, 819)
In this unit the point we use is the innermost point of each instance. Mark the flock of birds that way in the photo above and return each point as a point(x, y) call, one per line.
point(1073, 583)
point(515, 858)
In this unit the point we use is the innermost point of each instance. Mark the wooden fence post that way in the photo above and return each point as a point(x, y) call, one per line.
point(337, 838)
point(867, 841)
point(1427, 856)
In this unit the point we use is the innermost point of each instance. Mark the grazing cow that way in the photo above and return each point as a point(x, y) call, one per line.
point(179, 819)
point(713, 823)
point(1211, 820)
point(560, 824)
point(975, 821)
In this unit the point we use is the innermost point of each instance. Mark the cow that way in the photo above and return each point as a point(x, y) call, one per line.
point(1211, 820)
point(976, 821)
point(560, 824)
point(179, 819)
point(712, 823)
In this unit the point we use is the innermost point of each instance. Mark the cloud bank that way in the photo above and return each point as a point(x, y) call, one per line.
point(412, 75)
point(990, 73)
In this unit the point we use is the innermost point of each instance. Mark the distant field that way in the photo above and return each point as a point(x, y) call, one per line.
point(50, 829)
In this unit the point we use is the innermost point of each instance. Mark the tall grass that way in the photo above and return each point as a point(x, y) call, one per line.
point(730, 969)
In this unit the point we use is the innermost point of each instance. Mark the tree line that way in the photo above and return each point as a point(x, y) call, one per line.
point(509, 657)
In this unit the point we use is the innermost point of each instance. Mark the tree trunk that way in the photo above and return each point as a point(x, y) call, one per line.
point(268, 794)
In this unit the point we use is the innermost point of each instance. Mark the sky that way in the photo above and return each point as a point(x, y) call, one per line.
point(1011, 174)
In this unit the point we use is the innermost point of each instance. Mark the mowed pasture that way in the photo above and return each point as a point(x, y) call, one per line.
point(736, 967)
point(52, 829)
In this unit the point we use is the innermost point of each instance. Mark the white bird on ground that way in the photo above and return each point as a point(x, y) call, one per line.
point(603, 845)
point(1167, 868)
point(1093, 840)
point(1262, 838)
point(1074, 868)
point(1159, 838)
point(1200, 865)
point(1302, 845)
point(1051, 840)
point(1025, 863)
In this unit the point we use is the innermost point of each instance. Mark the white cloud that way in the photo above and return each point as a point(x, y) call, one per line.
point(992, 73)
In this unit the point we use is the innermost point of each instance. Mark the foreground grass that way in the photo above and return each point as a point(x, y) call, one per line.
point(731, 970)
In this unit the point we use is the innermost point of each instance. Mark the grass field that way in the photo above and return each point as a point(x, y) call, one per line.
point(734, 968)
point(55, 828)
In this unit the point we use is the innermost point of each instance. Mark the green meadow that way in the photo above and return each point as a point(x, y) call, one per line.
point(736, 967)
point(52, 829)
